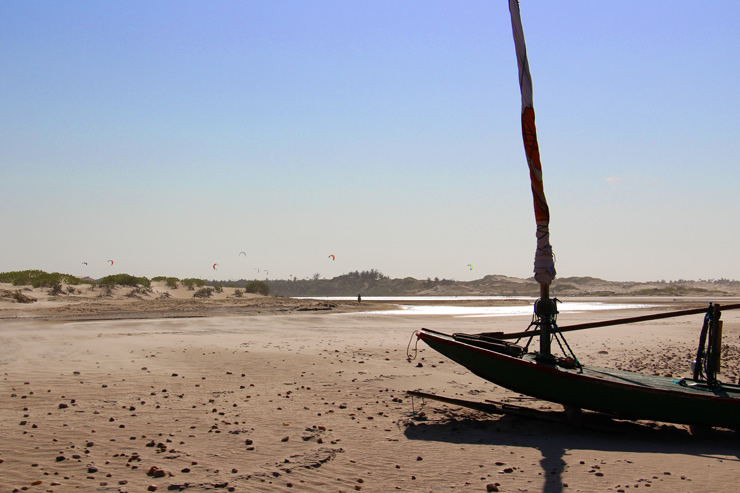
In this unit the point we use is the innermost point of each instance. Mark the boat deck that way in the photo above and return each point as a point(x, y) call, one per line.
point(686, 385)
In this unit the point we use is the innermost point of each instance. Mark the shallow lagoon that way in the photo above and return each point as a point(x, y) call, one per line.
point(419, 305)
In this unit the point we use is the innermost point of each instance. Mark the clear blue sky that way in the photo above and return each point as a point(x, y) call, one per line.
point(169, 136)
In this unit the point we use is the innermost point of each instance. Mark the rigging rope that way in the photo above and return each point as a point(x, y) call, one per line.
point(538, 320)
point(416, 348)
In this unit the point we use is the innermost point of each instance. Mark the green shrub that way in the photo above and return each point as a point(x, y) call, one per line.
point(258, 287)
point(38, 278)
point(191, 283)
point(125, 280)
point(171, 282)
point(238, 293)
point(203, 293)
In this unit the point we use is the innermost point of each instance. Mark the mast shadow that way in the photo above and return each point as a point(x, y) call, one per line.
point(553, 436)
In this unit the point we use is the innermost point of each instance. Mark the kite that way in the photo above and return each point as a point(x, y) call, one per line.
point(243, 253)
point(332, 257)
point(111, 262)
point(214, 266)
point(471, 266)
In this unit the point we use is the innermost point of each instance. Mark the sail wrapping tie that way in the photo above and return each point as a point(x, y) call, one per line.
point(544, 262)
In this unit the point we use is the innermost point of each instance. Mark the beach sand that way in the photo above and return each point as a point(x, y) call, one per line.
point(272, 394)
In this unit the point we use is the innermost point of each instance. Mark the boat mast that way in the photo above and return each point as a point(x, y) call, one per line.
point(544, 264)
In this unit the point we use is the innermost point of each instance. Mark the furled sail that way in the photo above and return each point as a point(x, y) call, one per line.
point(544, 263)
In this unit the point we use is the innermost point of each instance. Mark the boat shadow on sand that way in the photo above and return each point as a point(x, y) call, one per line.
point(555, 437)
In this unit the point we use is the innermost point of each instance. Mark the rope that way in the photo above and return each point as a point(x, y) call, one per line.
point(555, 332)
point(536, 320)
point(533, 323)
point(570, 351)
point(416, 348)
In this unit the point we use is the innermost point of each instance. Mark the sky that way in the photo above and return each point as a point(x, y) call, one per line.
point(171, 136)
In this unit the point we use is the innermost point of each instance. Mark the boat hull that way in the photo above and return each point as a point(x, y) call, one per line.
point(623, 394)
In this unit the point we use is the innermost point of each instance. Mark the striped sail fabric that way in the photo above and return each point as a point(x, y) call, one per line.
point(544, 262)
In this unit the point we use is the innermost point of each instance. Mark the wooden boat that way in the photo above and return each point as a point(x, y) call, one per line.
point(699, 401)
point(619, 393)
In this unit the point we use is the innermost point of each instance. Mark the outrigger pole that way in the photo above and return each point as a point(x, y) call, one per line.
point(619, 321)
point(544, 263)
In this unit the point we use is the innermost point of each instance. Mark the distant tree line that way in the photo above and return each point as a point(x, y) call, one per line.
point(373, 282)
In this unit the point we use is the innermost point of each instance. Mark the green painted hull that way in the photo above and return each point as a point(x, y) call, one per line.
point(620, 393)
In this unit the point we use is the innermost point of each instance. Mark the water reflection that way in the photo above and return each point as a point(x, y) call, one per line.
point(406, 306)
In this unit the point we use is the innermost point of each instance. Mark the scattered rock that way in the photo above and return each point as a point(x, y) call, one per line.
point(156, 472)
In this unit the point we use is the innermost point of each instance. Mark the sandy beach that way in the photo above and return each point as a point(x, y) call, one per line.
point(163, 393)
